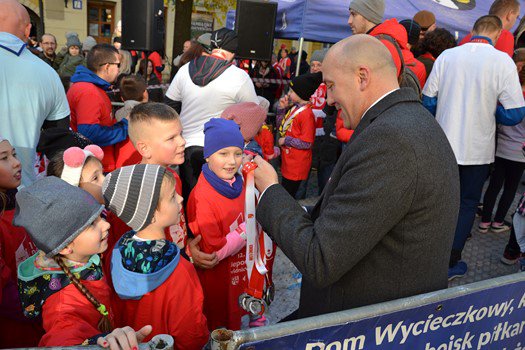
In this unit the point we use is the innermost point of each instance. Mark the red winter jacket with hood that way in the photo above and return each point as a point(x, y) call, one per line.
point(392, 28)
point(68, 316)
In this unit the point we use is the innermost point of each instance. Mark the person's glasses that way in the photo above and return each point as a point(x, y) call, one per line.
point(115, 63)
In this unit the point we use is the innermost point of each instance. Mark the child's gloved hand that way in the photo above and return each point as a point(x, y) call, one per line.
point(241, 230)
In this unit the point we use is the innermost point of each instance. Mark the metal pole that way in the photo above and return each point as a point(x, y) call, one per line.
point(299, 55)
point(41, 14)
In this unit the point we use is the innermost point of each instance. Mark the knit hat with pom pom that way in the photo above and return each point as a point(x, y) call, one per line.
point(74, 160)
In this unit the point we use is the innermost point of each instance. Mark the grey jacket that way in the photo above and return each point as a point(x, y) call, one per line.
point(384, 225)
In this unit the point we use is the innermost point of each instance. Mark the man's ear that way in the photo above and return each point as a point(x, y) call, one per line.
point(27, 31)
point(510, 14)
point(363, 74)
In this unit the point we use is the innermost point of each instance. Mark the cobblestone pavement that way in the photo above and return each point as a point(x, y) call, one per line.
point(482, 254)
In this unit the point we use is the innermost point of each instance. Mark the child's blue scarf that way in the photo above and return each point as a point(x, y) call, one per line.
point(222, 186)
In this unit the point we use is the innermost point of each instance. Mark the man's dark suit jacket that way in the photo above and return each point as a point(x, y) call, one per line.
point(384, 225)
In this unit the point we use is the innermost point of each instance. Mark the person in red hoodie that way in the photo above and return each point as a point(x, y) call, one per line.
point(508, 11)
point(297, 130)
point(154, 285)
point(91, 107)
point(63, 282)
point(366, 18)
point(15, 247)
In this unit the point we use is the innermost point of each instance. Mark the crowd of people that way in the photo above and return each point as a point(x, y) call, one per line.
point(118, 224)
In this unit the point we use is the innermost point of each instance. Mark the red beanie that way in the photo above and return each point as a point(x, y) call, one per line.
point(248, 115)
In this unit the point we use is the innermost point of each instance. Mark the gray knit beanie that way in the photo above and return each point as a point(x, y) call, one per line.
point(318, 55)
point(88, 43)
point(132, 193)
point(54, 213)
point(372, 10)
point(73, 40)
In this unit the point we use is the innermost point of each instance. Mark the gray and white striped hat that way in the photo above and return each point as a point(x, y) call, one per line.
point(132, 193)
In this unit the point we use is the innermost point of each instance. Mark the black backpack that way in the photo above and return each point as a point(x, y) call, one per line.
point(407, 78)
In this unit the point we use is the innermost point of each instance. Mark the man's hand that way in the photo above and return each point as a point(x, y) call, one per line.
point(200, 259)
point(265, 174)
point(281, 141)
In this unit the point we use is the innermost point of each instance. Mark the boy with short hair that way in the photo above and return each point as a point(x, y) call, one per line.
point(156, 132)
point(133, 90)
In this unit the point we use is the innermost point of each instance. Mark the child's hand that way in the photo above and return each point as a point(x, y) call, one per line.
point(276, 152)
point(241, 230)
point(124, 338)
point(281, 141)
point(284, 102)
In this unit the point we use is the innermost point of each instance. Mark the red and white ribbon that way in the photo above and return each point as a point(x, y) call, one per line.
point(259, 246)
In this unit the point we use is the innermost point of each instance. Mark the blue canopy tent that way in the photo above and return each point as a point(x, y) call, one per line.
point(326, 20)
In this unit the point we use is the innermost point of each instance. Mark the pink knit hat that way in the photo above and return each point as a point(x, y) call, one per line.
point(248, 115)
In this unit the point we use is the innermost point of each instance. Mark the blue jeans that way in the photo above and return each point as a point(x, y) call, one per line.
point(303, 187)
point(323, 174)
point(471, 180)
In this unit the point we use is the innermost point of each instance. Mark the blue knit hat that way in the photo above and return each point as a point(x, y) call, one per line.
point(221, 133)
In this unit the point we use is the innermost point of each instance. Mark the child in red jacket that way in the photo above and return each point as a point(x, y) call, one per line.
point(15, 247)
point(258, 139)
point(216, 213)
point(63, 282)
point(154, 284)
point(297, 130)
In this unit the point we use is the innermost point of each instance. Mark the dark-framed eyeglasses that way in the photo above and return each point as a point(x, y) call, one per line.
point(115, 63)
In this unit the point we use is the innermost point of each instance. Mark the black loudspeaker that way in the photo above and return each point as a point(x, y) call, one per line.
point(143, 25)
point(255, 26)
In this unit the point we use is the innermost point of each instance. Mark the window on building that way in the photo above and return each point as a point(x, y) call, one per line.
point(101, 20)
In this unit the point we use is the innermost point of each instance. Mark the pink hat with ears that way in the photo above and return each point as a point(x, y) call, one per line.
point(74, 160)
